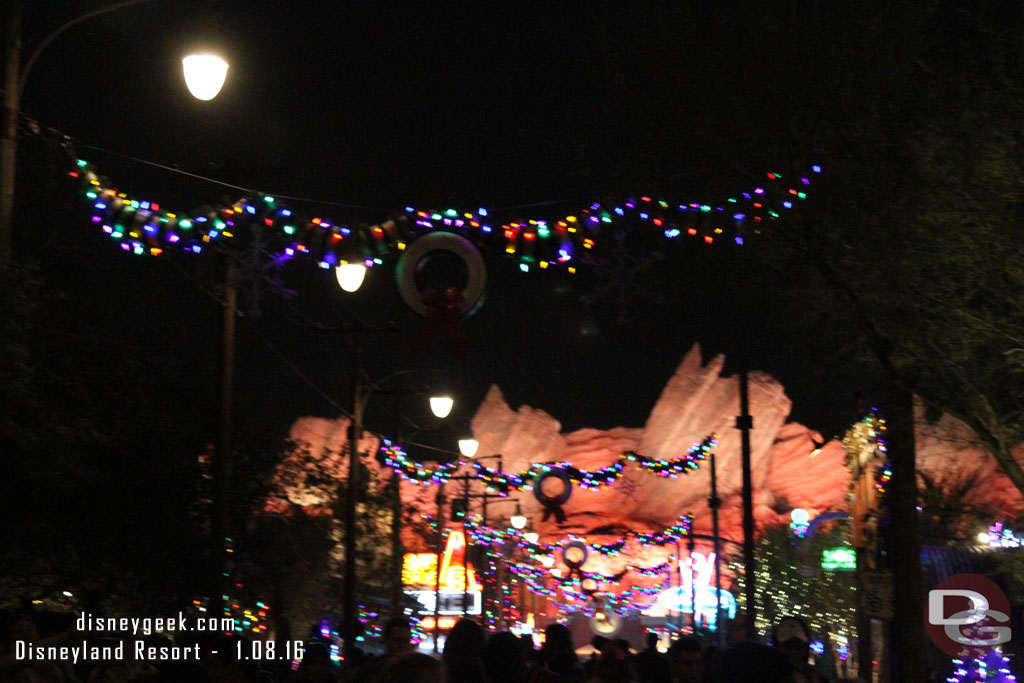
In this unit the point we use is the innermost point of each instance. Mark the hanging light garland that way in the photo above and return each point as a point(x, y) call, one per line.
point(410, 470)
point(540, 572)
point(145, 227)
point(632, 600)
point(503, 482)
point(673, 468)
point(489, 536)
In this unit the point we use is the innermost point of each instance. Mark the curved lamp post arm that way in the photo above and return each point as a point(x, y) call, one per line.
point(23, 76)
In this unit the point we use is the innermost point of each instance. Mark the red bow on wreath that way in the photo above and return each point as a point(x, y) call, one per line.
point(575, 566)
point(442, 319)
point(552, 508)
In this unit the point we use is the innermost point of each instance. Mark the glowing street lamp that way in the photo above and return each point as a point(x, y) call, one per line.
point(468, 447)
point(204, 75)
point(350, 276)
point(441, 406)
point(518, 520)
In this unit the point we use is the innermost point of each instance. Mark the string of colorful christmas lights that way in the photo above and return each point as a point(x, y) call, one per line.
point(489, 536)
point(632, 600)
point(576, 601)
point(653, 570)
point(868, 435)
point(145, 227)
point(503, 482)
point(994, 667)
point(410, 470)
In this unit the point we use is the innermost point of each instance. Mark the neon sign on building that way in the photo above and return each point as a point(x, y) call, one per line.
point(419, 571)
point(696, 595)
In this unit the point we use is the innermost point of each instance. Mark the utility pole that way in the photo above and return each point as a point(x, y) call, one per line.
point(714, 502)
point(465, 551)
point(486, 598)
point(348, 588)
point(679, 587)
point(355, 432)
point(440, 551)
point(690, 547)
point(397, 551)
point(220, 522)
point(9, 141)
point(744, 422)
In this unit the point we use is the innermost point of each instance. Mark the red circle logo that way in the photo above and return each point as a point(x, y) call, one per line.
point(968, 616)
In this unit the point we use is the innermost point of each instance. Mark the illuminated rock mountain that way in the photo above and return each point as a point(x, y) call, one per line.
point(788, 470)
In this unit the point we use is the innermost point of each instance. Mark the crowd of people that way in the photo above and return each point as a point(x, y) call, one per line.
point(470, 655)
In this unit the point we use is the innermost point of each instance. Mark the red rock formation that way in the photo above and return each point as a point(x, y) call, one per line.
point(788, 471)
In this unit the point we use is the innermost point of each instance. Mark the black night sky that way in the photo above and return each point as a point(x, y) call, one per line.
point(373, 107)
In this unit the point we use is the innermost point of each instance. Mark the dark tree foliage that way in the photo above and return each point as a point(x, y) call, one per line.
point(906, 254)
point(904, 262)
point(106, 403)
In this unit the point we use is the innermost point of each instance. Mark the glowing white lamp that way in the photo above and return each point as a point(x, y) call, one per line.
point(441, 406)
point(350, 277)
point(204, 75)
point(468, 447)
point(518, 520)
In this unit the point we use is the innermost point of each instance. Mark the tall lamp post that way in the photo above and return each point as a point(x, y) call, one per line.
point(355, 433)
point(714, 502)
point(204, 75)
point(468, 448)
point(745, 422)
point(440, 406)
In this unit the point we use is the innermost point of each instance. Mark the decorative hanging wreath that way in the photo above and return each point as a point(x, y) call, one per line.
point(424, 302)
point(553, 504)
point(575, 566)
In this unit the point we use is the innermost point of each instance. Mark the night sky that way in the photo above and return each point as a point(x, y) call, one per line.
point(365, 108)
